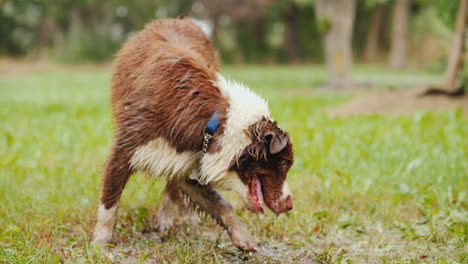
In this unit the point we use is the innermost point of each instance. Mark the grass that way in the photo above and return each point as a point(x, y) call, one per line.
point(367, 189)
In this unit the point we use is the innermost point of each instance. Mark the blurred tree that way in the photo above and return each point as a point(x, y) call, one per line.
point(294, 14)
point(455, 59)
point(455, 14)
point(255, 31)
point(45, 31)
point(250, 25)
point(290, 15)
point(377, 25)
point(291, 36)
point(214, 10)
point(18, 20)
point(399, 47)
point(335, 19)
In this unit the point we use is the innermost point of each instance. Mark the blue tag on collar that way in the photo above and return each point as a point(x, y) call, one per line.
point(213, 123)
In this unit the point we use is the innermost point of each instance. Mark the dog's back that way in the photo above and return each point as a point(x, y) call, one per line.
point(164, 38)
point(162, 85)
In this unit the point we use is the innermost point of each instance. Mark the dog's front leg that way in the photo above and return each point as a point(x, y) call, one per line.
point(207, 199)
point(168, 214)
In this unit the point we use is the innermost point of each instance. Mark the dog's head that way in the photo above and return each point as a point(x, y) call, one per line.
point(262, 168)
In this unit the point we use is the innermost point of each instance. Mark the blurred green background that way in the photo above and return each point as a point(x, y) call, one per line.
point(257, 31)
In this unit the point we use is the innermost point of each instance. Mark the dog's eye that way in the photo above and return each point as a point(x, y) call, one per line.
point(257, 175)
point(284, 163)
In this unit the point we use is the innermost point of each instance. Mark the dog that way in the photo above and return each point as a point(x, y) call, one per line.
point(177, 117)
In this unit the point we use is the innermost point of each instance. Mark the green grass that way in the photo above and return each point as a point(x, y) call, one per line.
point(373, 188)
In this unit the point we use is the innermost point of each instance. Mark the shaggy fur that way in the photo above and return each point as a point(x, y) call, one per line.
point(165, 87)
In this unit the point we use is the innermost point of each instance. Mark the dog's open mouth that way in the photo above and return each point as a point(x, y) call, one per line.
point(256, 196)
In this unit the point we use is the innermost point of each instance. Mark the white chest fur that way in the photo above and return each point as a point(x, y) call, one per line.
point(158, 158)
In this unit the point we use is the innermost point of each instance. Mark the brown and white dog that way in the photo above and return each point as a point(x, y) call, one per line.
point(166, 88)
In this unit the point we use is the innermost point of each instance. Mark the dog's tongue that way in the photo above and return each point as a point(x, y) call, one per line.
point(257, 195)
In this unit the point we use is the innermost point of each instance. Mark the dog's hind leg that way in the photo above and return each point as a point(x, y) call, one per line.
point(207, 199)
point(116, 174)
point(174, 209)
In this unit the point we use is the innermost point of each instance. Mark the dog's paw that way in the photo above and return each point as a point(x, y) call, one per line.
point(102, 237)
point(243, 240)
point(189, 218)
point(164, 225)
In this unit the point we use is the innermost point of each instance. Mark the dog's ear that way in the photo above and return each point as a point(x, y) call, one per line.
point(276, 141)
point(267, 138)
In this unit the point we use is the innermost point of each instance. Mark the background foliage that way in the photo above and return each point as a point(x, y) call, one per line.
point(247, 31)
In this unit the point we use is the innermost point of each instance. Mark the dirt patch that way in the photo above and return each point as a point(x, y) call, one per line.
point(343, 245)
point(400, 101)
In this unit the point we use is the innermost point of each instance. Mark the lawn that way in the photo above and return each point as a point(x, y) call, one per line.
point(367, 189)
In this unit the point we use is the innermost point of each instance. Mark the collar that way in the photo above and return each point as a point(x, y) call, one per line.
point(210, 129)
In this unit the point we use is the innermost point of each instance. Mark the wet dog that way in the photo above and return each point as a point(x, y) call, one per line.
point(177, 117)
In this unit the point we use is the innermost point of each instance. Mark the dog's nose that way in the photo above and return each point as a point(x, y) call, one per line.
point(283, 206)
point(288, 204)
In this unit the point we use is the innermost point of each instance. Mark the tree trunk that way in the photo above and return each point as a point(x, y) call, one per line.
point(336, 18)
point(93, 17)
point(58, 42)
point(45, 33)
point(214, 10)
point(259, 37)
point(372, 48)
point(75, 24)
point(399, 49)
point(455, 61)
point(240, 55)
point(291, 33)
point(215, 32)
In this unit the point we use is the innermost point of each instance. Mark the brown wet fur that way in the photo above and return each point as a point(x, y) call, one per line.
point(163, 87)
point(206, 199)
